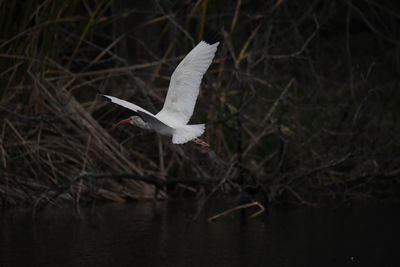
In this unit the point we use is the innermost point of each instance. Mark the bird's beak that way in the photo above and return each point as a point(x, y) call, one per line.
point(128, 120)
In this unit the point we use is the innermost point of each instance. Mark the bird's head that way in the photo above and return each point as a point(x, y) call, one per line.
point(134, 120)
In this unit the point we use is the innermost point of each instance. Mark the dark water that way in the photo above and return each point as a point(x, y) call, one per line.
point(162, 234)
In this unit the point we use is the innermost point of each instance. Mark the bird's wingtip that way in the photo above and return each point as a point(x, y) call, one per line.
point(106, 98)
point(100, 93)
point(211, 37)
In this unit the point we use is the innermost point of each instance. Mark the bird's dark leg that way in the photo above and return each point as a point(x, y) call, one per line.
point(200, 142)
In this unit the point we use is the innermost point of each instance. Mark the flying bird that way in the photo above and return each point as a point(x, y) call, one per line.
point(173, 118)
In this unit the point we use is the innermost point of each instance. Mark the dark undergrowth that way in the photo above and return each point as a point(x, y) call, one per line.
point(302, 100)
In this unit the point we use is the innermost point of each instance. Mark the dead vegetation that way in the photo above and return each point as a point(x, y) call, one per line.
point(300, 99)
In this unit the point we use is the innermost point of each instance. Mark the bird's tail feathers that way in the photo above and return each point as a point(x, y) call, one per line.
point(187, 133)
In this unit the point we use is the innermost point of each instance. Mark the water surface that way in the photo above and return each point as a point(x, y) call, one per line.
point(163, 234)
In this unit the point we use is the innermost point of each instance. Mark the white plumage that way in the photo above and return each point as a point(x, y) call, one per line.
point(180, 100)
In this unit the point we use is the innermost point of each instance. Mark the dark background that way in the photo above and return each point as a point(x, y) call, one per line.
point(301, 101)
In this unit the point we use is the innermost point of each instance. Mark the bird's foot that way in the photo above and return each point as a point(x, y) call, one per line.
point(200, 142)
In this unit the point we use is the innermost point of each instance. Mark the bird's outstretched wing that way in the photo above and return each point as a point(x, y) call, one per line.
point(185, 82)
point(156, 123)
point(127, 104)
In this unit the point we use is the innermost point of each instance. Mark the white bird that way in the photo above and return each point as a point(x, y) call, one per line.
point(181, 98)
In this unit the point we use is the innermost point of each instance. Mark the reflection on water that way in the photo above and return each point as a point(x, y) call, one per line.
point(162, 234)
